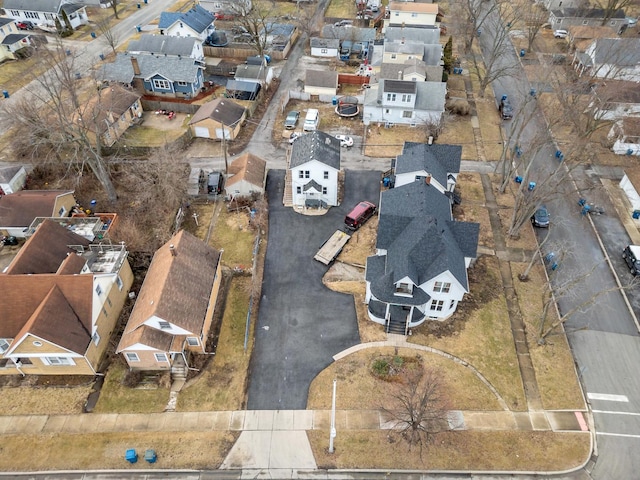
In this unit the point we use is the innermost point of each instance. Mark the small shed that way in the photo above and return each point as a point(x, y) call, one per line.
point(321, 82)
point(246, 176)
point(12, 179)
point(218, 116)
point(241, 90)
point(254, 73)
point(325, 47)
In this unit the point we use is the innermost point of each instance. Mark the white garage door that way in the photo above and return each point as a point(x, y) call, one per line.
point(202, 132)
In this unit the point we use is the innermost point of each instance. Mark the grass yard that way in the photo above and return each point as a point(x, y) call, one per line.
point(175, 450)
point(15, 74)
point(115, 397)
point(472, 208)
point(221, 386)
point(461, 450)
point(341, 9)
point(552, 362)
point(30, 400)
point(458, 131)
point(231, 233)
point(358, 388)
point(141, 136)
point(482, 314)
point(388, 142)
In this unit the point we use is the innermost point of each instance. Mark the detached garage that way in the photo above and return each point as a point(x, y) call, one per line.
point(218, 116)
point(321, 82)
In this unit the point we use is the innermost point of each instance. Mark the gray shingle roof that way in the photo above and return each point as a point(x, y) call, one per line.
point(317, 146)
point(317, 42)
point(7, 173)
point(398, 86)
point(163, 45)
point(407, 47)
point(220, 109)
point(431, 96)
point(175, 69)
point(438, 160)
point(198, 19)
point(51, 6)
point(597, 13)
point(312, 184)
point(355, 34)
point(426, 35)
point(623, 52)
point(321, 78)
point(4, 21)
point(14, 38)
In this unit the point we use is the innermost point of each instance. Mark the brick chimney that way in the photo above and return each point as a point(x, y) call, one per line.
point(427, 179)
point(136, 67)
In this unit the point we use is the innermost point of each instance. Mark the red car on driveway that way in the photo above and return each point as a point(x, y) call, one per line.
point(223, 16)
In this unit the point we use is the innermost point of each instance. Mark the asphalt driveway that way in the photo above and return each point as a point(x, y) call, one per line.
point(301, 323)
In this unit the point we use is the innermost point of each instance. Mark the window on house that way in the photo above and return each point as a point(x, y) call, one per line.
point(57, 361)
point(397, 14)
point(387, 111)
point(404, 288)
point(4, 363)
point(62, 212)
point(298, 190)
point(161, 357)
point(132, 357)
point(4, 345)
point(437, 305)
point(414, 15)
point(441, 287)
point(193, 341)
point(326, 175)
point(324, 190)
point(183, 84)
point(98, 289)
point(160, 84)
point(406, 98)
point(391, 97)
point(119, 282)
point(393, 56)
point(109, 302)
point(300, 174)
point(323, 50)
point(407, 114)
point(452, 304)
point(96, 338)
point(104, 312)
point(15, 13)
point(307, 174)
point(164, 325)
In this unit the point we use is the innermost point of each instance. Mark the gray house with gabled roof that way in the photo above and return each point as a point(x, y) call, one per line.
point(419, 271)
point(166, 46)
point(314, 165)
point(180, 77)
point(196, 22)
point(45, 12)
point(435, 164)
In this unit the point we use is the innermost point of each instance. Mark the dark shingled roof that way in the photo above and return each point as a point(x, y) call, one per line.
point(312, 184)
point(198, 19)
point(437, 160)
point(222, 110)
point(399, 86)
point(18, 209)
point(317, 146)
point(163, 45)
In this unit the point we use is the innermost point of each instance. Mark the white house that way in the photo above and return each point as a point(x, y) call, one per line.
point(411, 14)
point(419, 271)
point(227, 6)
point(196, 22)
point(262, 74)
point(615, 99)
point(314, 165)
point(404, 102)
point(611, 58)
point(400, 52)
point(324, 47)
point(12, 179)
point(321, 82)
point(438, 165)
point(565, 17)
point(45, 12)
point(630, 184)
point(626, 136)
point(168, 46)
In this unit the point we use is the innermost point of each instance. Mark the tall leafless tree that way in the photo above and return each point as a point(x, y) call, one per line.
point(108, 35)
point(258, 20)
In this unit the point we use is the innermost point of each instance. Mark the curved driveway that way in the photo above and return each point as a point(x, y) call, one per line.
point(301, 323)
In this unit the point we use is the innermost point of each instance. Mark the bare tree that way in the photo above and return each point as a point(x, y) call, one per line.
point(419, 408)
point(46, 120)
point(114, 5)
point(534, 16)
point(258, 20)
point(469, 17)
point(610, 7)
point(108, 35)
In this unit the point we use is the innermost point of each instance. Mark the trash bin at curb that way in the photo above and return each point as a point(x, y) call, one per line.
point(131, 456)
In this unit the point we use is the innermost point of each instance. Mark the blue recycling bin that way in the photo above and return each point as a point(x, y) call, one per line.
point(150, 456)
point(522, 52)
point(334, 101)
point(68, 52)
point(518, 179)
point(630, 151)
point(531, 186)
point(386, 181)
point(532, 92)
point(138, 28)
point(582, 202)
point(5, 93)
point(138, 5)
point(146, 1)
point(93, 35)
point(503, 98)
point(131, 455)
point(636, 214)
point(558, 153)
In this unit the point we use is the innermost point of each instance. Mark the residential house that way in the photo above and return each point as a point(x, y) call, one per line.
point(400, 52)
point(12, 179)
point(630, 185)
point(11, 39)
point(404, 102)
point(278, 35)
point(556, 4)
point(419, 271)
point(246, 176)
point(164, 45)
point(411, 14)
point(196, 22)
point(314, 165)
point(413, 70)
point(226, 6)
point(108, 114)
point(61, 299)
point(615, 99)
point(437, 165)
point(353, 34)
point(19, 209)
point(173, 314)
point(261, 74)
point(46, 12)
point(625, 134)
point(611, 58)
point(321, 82)
point(425, 34)
point(324, 47)
point(179, 77)
point(580, 37)
point(219, 118)
point(15, 42)
point(563, 18)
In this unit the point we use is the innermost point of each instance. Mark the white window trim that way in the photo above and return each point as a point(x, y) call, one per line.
point(191, 339)
point(161, 357)
point(132, 357)
point(58, 361)
point(96, 338)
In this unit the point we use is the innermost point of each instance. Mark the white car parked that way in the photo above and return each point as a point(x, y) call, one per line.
point(560, 34)
point(345, 140)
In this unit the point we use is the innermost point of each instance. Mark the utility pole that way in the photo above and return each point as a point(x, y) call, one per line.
point(224, 150)
point(332, 434)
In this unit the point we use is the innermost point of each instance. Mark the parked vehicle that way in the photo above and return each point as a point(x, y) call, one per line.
point(330, 249)
point(215, 183)
point(238, 30)
point(505, 108)
point(359, 215)
point(631, 255)
point(292, 120)
point(24, 25)
point(540, 218)
point(345, 50)
point(560, 33)
point(312, 120)
point(343, 23)
point(223, 16)
point(345, 140)
point(293, 137)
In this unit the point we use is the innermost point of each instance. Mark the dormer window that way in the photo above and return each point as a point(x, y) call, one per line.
point(4, 345)
point(404, 288)
point(441, 287)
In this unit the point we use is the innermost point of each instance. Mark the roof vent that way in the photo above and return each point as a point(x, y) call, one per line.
point(173, 251)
